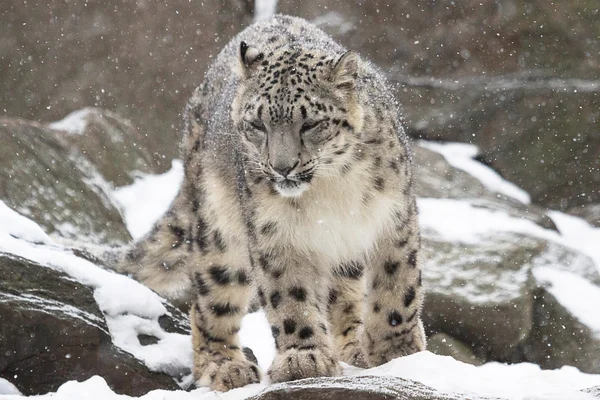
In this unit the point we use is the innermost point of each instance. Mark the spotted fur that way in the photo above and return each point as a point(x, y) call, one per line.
point(297, 189)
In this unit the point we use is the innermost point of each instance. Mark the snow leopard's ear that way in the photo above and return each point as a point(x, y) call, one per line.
point(345, 71)
point(249, 57)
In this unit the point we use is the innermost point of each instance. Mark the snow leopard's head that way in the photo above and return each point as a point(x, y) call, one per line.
point(297, 114)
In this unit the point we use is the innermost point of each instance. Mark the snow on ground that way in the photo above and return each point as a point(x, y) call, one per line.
point(7, 388)
point(519, 381)
point(462, 156)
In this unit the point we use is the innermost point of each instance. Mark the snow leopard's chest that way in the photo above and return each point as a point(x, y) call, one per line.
point(336, 225)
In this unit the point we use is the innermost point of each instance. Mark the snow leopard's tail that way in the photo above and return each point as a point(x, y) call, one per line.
point(151, 261)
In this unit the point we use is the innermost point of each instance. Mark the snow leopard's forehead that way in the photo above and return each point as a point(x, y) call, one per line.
point(291, 84)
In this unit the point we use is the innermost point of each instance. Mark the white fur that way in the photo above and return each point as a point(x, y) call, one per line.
point(330, 220)
point(295, 191)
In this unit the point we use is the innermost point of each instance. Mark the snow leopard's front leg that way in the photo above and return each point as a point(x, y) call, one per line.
point(392, 322)
point(224, 290)
point(345, 305)
point(292, 291)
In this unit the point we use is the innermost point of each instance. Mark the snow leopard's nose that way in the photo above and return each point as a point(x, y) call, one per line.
point(284, 169)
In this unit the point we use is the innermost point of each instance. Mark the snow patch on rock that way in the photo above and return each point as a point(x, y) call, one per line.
point(462, 156)
point(74, 123)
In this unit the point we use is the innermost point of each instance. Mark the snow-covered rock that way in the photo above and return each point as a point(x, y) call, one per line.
point(589, 212)
point(53, 331)
point(446, 345)
point(109, 141)
point(43, 177)
point(484, 252)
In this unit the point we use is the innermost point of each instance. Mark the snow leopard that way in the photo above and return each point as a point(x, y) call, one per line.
point(297, 191)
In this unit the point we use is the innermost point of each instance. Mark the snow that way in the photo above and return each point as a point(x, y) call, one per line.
point(462, 156)
point(74, 123)
point(255, 326)
point(515, 382)
point(464, 222)
point(8, 388)
point(578, 234)
point(22, 227)
point(264, 9)
point(157, 192)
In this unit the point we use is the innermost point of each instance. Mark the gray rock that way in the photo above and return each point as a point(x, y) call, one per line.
point(481, 294)
point(589, 212)
point(446, 345)
point(109, 142)
point(140, 59)
point(558, 338)
point(484, 294)
point(358, 388)
point(53, 332)
point(43, 178)
point(463, 38)
point(529, 135)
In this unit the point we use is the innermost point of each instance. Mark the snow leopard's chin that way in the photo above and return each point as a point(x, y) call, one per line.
point(289, 188)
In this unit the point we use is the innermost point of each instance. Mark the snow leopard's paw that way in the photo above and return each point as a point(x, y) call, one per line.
point(297, 364)
point(398, 343)
point(229, 374)
point(353, 354)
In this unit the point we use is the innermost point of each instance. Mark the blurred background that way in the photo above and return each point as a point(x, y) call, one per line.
point(518, 79)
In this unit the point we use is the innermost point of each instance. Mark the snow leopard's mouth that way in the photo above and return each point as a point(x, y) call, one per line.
point(289, 188)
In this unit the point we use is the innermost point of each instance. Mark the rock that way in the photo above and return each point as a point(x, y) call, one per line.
point(436, 178)
point(508, 76)
point(528, 134)
point(482, 292)
point(140, 59)
point(358, 388)
point(462, 38)
point(484, 295)
point(446, 345)
point(42, 178)
point(57, 333)
point(559, 338)
point(589, 212)
point(108, 141)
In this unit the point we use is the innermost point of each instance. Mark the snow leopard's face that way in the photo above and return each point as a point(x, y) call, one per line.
point(295, 112)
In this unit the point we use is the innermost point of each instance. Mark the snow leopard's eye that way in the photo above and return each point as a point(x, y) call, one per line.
point(258, 125)
point(255, 131)
point(307, 126)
